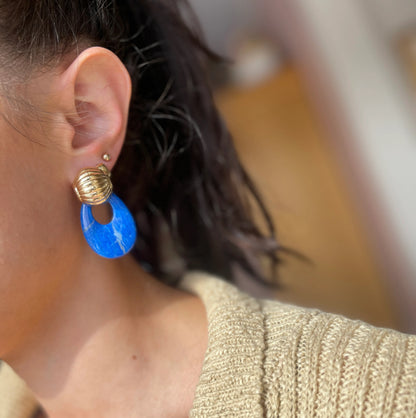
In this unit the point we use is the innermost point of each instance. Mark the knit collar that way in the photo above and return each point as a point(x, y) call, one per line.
point(231, 381)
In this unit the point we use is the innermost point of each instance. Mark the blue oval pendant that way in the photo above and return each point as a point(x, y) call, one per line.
point(114, 239)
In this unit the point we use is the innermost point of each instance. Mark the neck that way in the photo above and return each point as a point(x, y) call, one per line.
point(110, 339)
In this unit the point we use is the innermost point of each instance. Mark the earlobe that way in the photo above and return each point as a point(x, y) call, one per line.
point(96, 88)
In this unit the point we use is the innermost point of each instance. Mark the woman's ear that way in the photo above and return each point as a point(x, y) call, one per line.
point(95, 93)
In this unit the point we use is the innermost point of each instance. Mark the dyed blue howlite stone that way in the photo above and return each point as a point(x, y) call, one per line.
point(114, 239)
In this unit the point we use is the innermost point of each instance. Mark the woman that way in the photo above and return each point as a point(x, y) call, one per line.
point(90, 87)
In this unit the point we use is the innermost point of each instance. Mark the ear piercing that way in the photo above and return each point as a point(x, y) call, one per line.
point(106, 157)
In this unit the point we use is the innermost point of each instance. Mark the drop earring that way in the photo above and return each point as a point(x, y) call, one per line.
point(93, 187)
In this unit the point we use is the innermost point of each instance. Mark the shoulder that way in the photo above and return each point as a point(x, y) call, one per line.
point(301, 361)
point(330, 363)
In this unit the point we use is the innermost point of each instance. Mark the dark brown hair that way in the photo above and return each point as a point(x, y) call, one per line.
point(178, 167)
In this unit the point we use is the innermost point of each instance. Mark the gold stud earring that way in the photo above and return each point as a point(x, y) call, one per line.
point(93, 185)
point(106, 157)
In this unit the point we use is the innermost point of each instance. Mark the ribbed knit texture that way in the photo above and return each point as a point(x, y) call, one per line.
point(269, 359)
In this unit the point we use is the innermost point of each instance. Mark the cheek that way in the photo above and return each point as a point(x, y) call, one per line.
point(35, 211)
point(24, 225)
point(39, 233)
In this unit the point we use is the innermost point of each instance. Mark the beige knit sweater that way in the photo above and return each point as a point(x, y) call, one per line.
point(269, 359)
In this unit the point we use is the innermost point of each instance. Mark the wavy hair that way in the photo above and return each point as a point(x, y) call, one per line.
point(178, 170)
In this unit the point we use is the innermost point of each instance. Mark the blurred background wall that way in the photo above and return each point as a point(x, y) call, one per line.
point(321, 102)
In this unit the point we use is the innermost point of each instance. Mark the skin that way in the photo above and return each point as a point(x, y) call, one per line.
point(91, 337)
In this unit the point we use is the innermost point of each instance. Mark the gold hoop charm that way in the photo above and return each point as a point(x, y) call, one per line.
point(93, 185)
